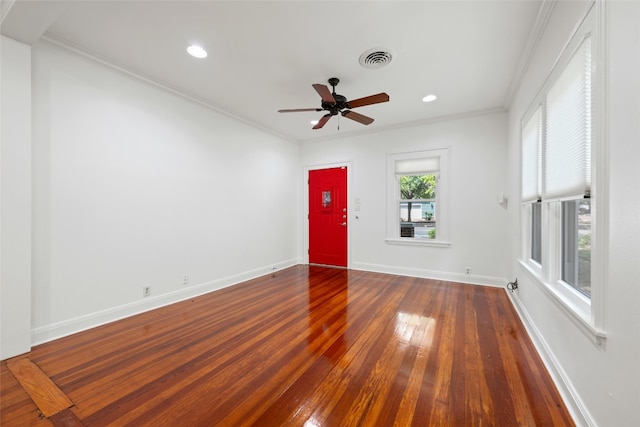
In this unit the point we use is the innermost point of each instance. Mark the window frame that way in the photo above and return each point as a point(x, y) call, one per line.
point(588, 313)
point(442, 195)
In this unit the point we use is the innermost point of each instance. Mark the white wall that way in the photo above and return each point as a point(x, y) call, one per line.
point(600, 382)
point(135, 186)
point(15, 198)
point(476, 221)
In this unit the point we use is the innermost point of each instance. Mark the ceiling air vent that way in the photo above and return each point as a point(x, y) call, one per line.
point(375, 58)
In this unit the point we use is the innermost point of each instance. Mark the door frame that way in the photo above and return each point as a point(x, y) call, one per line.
point(305, 233)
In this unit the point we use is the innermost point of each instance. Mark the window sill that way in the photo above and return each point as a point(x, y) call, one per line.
point(418, 242)
point(579, 312)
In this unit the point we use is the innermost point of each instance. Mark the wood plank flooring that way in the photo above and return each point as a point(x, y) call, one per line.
point(48, 398)
point(307, 346)
point(16, 406)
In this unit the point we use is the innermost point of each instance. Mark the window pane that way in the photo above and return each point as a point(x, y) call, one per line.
point(418, 187)
point(576, 244)
point(417, 206)
point(418, 219)
point(536, 232)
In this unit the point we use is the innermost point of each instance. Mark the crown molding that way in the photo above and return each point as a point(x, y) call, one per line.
point(544, 14)
point(405, 125)
point(64, 44)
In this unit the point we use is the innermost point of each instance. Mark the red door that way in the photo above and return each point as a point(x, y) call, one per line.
point(328, 216)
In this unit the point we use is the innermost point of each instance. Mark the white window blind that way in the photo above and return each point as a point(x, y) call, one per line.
point(567, 171)
point(532, 158)
point(422, 166)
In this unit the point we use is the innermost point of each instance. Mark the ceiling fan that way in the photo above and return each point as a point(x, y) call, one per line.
point(337, 104)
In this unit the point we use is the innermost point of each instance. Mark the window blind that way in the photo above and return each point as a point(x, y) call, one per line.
point(532, 158)
point(567, 155)
point(422, 166)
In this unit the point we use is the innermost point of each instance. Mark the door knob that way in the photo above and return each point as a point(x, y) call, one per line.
point(344, 224)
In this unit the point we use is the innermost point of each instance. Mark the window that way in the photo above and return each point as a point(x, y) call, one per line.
point(567, 164)
point(556, 194)
point(417, 208)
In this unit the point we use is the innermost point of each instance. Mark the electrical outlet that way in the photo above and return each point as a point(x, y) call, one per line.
point(185, 280)
point(146, 291)
point(467, 270)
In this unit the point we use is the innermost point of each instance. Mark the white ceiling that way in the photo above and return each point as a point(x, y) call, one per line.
point(264, 55)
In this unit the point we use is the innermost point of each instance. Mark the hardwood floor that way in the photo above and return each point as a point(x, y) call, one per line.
point(307, 346)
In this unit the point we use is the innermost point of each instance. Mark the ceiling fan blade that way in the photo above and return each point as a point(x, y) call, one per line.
point(295, 110)
point(324, 93)
point(322, 121)
point(357, 117)
point(368, 100)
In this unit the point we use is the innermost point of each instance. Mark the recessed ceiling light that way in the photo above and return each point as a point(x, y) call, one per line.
point(429, 98)
point(197, 51)
point(314, 122)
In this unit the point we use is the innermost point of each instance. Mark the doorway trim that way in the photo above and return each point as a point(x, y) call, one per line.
point(305, 218)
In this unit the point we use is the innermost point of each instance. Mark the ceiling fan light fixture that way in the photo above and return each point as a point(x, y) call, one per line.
point(375, 58)
point(429, 98)
point(315, 122)
point(197, 51)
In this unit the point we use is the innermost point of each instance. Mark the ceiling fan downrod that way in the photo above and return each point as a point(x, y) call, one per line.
point(333, 81)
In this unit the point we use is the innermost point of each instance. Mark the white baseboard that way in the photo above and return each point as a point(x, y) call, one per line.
point(499, 282)
point(578, 410)
point(71, 326)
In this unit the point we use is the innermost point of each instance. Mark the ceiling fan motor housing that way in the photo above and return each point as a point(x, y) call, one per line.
point(341, 101)
point(334, 109)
